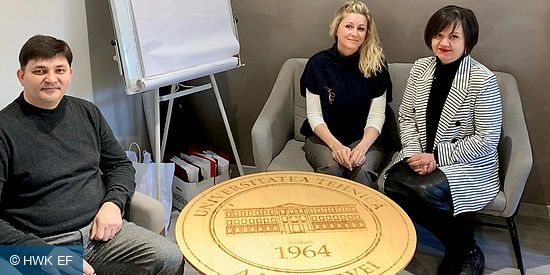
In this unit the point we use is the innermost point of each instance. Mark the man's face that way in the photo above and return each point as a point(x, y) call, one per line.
point(45, 81)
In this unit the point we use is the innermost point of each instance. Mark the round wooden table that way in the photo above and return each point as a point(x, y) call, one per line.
point(294, 222)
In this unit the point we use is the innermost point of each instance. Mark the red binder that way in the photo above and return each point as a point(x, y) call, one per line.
point(213, 162)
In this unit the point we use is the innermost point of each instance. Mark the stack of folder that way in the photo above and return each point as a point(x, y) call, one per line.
point(196, 172)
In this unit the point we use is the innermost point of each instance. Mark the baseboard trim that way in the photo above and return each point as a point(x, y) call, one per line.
point(534, 210)
point(247, 169)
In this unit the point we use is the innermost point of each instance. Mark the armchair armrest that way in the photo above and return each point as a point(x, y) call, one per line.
point(515, 154)
point(146, 212)
point(274, 127)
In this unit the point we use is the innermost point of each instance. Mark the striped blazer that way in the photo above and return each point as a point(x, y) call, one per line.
point(468, 132)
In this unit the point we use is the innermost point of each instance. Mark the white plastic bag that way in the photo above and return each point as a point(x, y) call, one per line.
point(146, 179)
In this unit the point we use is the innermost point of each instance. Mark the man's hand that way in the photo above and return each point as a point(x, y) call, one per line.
point(88, 269)
point(423, 163)
point(72, 267)
point(107, 222)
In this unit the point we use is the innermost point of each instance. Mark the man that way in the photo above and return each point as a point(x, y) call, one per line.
point(64, 179)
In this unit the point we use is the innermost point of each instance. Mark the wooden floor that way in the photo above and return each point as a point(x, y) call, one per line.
point(534, 231)
point(496, 245)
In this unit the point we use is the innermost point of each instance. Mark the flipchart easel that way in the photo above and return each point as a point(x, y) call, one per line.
point(122, 21)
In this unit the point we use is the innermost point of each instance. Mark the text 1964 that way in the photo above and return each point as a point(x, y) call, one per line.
point(293, 252)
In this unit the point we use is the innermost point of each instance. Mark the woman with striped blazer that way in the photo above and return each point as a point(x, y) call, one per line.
point(450, 120)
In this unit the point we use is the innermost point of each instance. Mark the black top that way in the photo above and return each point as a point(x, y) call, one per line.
point(57, 167)
point(441, 86)
point(345, 93)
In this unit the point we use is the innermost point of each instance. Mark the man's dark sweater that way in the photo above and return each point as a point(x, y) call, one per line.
point(57, 167)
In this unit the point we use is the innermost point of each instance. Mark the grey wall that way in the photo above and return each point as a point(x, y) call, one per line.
point(513, 38)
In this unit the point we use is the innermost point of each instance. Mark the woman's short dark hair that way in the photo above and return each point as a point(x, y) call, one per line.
point(44, 47)
point(453, 16)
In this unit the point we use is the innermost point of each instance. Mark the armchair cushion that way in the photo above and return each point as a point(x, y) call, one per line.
point(292, 157)
point(497, 204)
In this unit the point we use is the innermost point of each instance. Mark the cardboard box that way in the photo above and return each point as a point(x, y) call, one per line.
point(183, 192)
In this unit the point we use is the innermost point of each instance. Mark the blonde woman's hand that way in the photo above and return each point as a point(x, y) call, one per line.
point(358, 155)
point(342, 154)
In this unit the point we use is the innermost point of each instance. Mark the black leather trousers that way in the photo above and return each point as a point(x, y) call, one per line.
point(427, 200)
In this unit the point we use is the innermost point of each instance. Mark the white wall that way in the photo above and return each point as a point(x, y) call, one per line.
point(63, 19)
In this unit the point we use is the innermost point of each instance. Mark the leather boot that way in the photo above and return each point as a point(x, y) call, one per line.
point(473, 262)
point(450, 265)
point(446, 266)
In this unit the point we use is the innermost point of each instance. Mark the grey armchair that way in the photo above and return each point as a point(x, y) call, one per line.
point(276, 138)
point(146, 212)
point(277, 142)
point(515, 157)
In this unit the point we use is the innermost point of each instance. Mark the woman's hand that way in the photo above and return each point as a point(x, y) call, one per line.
point(342, 155)
point(423, 163)
point(358, 155)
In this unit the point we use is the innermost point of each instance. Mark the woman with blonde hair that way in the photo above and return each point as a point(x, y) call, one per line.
point(346, 89)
